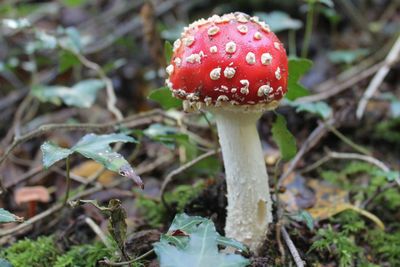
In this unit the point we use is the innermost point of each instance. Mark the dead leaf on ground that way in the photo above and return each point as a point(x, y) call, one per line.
point(324, 199)
point(91, 167)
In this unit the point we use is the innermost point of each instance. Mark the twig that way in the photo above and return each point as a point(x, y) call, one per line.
point(98, 231)
point(182, 168)
point(292, 248)
point(131, 26)
point(346, 140)
point(392, 57)
point(310, 142)
point(111, 263)
point(278, 226)
point(354, 15)
point(368, 159)
point(338, 88)
point(111, 98)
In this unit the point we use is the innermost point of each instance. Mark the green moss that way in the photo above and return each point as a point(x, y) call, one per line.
point(83, 256)
point(338, 244)
point(154, 211)
point(33, 253)
point(388, 130)
point(385, 246)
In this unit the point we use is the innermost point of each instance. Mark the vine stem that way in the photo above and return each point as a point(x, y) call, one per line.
point(309, 26)
point(125, 263)
point(68, 180)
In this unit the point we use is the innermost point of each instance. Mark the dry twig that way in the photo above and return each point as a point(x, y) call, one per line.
point(391, 58)
point(292, 248)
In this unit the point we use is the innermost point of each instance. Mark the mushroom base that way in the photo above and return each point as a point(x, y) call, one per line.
point(249, 208)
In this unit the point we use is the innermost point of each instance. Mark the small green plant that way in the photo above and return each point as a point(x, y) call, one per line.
point(37, 253)
point(193, 241)
point(84, 256)
point(155, 212)
point(338, 244)
point(386, 246)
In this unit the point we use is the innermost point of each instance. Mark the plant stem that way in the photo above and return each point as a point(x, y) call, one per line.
point(292, 43)
point(346, 140)
point(68, 181)
point(309, 27)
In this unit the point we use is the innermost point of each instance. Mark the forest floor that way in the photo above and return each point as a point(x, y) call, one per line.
point(88, 71)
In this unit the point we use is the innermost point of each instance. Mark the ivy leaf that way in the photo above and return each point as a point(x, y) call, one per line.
point(347, 56)
point(168, 51)
point(6, 216)
point(389, 175)
point(395, 108)
point(297, 68)
point(53, 153)
point(284, 138)
point(320, 108)
point(304, 216)
point(195, 245)
point(66, 61)
point(82, 94)
point(96, 147)
point(164, 98)
point(279, 21)
point(5, 263)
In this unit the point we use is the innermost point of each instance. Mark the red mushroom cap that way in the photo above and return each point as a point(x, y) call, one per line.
point(229, 60)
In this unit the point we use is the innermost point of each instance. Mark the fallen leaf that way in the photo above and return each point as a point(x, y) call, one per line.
point(91, 167)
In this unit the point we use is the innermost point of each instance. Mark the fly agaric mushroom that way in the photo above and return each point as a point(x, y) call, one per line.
point(235, 67)
point(32, 195)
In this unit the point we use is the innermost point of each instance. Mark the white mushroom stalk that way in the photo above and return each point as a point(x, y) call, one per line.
point(249, 209)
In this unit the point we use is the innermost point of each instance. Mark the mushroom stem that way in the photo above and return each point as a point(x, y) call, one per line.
point(249, 208)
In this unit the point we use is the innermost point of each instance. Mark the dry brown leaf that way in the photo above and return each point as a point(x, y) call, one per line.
point(328, 199)
point(89, 168)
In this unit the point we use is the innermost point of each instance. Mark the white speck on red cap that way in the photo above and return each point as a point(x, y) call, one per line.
point(215, 74)
point(229, 72)
point(251, 58)
point(230, 47)
point(266, 58)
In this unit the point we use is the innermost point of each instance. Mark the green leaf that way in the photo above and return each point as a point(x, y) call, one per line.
point(283, 138)
point(66, 61)
point(73, 3)
point(328, 3)
point(297, 68)
point(6, 216)
point(73, 39)
point(347, 56)
point(304, 216)
point(53, 153)
point(229, 242)
point(16, 23)
point(280, 21)
point(321, 109)
point(96, 147)
point(4, 263)
point(164, 97)
point(390, 175)
point(82, 94)
point(198, 246)
point(395, 108)
point(168, 51)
